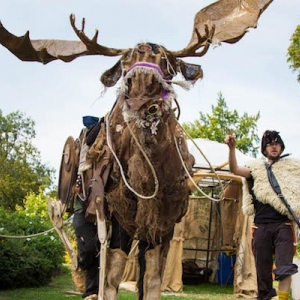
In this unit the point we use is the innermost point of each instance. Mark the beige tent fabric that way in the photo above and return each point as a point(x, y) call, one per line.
point(201, 236)
point(191, 233)
point(172, 278)
point(245, 284)
point(230, 213)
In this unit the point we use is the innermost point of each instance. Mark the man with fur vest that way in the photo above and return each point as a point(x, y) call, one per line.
point(273, 228)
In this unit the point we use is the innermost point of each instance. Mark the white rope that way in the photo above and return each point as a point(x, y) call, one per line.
point(169, 65)
point(121, 168)
point(189, 175)
point(133, 248)
point(26, 236)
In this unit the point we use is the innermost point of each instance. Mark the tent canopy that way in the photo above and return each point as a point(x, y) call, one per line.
point(216, 153)
point(211, 163)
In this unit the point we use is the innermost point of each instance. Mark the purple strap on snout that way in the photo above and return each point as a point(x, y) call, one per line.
point(148, 65)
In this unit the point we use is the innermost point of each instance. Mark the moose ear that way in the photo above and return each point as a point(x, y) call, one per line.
point(190, 72)
point(110, 77)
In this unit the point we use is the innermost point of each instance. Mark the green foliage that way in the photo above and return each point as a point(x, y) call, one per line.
point(31, 261)
point(214, 127)
point(36, 205)
point(293, 55)
point(21, 169)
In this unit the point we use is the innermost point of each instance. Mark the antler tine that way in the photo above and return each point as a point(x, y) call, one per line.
point(92, 44)
point(209, 35)
point(80, 33)
point(82, 23)
point(190, 50)
point(95, 38)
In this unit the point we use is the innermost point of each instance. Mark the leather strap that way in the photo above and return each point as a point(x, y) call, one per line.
point(275, 185)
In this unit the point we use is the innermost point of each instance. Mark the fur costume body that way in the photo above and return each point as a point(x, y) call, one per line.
point(287, 172)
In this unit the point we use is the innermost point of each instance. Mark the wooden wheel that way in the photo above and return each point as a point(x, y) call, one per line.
point(68, 170)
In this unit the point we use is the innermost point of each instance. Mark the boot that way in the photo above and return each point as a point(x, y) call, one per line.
point(283, 295)
point(152, 277)
point(116, 261)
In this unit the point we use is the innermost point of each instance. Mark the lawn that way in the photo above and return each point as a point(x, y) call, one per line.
point(62, 287)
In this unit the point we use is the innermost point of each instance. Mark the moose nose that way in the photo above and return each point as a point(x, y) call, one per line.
point(144, 48)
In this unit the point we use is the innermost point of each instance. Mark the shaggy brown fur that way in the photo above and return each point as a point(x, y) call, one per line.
point(148, 219)
point(152, 124)
point(142, 125)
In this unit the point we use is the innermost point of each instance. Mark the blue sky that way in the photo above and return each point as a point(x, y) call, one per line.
point(252, 75)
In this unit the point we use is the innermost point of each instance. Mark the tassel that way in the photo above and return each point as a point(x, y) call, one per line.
point(184, 84)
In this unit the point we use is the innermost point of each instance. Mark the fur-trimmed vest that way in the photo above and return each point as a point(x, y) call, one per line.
point(287, 173)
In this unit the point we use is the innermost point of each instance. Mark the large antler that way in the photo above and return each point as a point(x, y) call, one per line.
point(229, 20)
point(202, 42)
point(45, 51)
point(92, 44)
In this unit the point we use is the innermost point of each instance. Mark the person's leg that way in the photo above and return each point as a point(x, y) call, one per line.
point(88, 247)
point(119, 237)
point(284, 252)
point(284, 288)
point(262, 250)
point(285, 284)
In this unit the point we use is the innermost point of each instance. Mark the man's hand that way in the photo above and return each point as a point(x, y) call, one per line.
point(230, 139)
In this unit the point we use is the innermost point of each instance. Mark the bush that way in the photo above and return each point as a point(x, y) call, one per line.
point(28, 262)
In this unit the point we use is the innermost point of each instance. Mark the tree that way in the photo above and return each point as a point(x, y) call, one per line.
point(294, 52)
point(21, 169)
point(31, 261)
point(214, 127)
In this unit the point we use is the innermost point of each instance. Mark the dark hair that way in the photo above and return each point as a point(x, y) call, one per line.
point(271, 136)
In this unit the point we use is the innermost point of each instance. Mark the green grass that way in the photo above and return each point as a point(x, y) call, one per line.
point(62, 287)
point(202, 291)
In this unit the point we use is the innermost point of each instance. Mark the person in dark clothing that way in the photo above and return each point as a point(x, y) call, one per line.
point(88, 247)
point(86, 231)
point(273, 234)
point(88, 253)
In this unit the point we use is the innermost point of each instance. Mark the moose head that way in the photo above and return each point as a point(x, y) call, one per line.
point(148, 68)
point(222, 21)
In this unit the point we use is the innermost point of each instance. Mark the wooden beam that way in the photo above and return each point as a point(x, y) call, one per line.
point(200, 175)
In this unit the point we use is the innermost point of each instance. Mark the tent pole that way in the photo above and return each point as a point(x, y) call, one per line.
point(208, 240)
